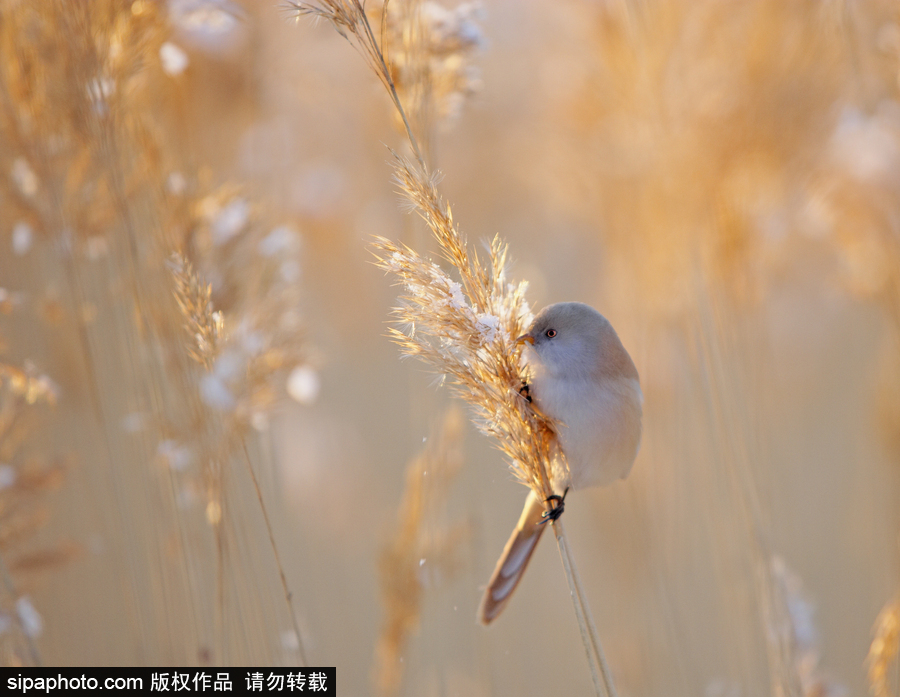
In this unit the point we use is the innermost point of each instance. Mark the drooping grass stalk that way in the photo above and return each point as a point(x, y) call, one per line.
point(420, 534)
point(349, 19)
point(884, 650)
point(589, 637)
point(288, 596)
point(205, 327)
point(466, 329)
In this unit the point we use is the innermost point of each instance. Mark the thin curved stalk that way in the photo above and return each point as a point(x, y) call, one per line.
point(288, 596)
point(592, 647)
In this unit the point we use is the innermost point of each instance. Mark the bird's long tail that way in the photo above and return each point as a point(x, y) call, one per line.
point(513, 561)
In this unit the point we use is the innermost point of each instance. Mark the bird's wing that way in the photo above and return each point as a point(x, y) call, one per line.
point(513, 561)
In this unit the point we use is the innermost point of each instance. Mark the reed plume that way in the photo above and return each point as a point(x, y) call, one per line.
point(796, 669)
point(25, 482)
point(430, 51)
point(203, 324)
point(247, 369)
point(94, 191)
point(884, 649)
point(466, 329)
point(422, 550)
point(710, 189)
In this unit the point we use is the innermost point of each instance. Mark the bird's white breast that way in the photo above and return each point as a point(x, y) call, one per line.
point(600, 430)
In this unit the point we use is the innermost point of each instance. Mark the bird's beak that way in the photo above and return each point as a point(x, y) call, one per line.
point(525, 339)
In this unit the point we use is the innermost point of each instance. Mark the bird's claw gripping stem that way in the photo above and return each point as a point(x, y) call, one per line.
point(557, 510)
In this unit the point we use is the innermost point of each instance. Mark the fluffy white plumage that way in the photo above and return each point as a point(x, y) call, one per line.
point(584, 378)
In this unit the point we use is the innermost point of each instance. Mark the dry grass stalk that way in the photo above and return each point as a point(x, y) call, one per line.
point(466, 329)
point(254, 359)
point(349, 19)
point(429, 50)
point(819, 172)
point(288, 594)
point(884, 650)
point(420, 551)
point(203, 323)
point(90, 184)
point(24, 485)
point(251, 286)
point(255, 294)
point(65, 113)
point(793, 639)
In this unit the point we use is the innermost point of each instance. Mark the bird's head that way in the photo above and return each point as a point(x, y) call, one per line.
point(573, 340)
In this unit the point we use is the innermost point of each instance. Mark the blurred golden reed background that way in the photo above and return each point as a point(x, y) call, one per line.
point(210, 454)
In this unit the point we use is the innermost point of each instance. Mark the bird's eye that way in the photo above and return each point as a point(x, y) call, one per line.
point(551, 333)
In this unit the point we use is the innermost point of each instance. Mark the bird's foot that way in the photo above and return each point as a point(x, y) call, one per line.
point(558, 507)
point(525, 392)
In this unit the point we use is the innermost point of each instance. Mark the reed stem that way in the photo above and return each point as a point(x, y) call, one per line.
point(288, 596)
point(592, 647)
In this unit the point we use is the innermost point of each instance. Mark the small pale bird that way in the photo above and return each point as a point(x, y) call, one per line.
point(583, 377)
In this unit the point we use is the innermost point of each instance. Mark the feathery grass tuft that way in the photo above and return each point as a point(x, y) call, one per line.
point(421, 549)
point(467, 329)
point(464, 329)
point(884, 649)
point(203, 323)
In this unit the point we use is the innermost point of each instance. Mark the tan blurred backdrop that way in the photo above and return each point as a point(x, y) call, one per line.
point(719, 179)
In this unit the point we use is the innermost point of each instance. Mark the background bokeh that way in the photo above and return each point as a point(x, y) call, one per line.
point(720, 179)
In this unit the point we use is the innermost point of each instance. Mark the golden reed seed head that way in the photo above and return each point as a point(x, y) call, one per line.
point(884, 649)
point(466, 330)
point(204, 325)
point(422, 548)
